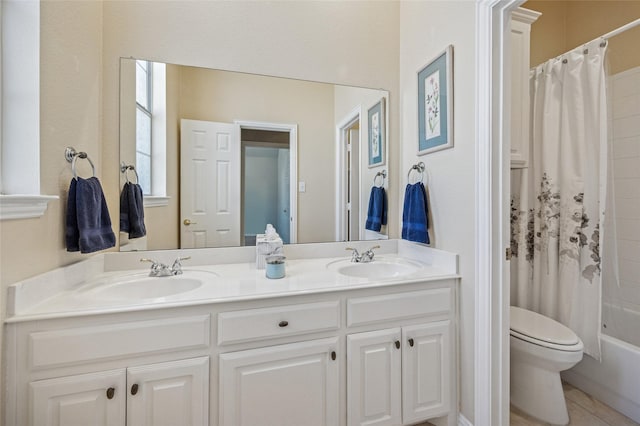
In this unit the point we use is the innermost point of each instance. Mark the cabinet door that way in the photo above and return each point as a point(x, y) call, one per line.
point(169, 393)
point(286, 385)
point(373, 378)
point(88, 399)
point(426, 369)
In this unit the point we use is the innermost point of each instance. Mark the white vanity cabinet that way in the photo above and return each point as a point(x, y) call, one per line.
point(285, 385)
point(89, 399)
point(400, 375)
point(123, 369)
point(171, 393)
point(382, 354)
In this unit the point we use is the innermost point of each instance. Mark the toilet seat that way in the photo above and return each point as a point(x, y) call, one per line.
point(543, 331)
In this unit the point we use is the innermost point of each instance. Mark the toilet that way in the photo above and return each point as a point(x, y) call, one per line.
point(540, 349)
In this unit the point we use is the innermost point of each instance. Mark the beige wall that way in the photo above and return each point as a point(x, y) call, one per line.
point(565, 25)
point(70, 111)
point(213, 95)
point(81, 46)
point(426, 29)
point(70, 115)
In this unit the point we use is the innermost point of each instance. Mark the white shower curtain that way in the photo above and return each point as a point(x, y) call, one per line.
point(558, 201)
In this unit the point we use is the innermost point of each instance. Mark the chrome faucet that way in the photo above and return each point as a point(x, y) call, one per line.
point(365, 257)
point(159, 269)
point(176, 268)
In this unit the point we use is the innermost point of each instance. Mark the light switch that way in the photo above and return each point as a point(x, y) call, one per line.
point(302, 186)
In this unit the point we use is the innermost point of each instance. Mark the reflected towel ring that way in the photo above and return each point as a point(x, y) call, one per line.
point(383, 175)
point(420, 167)
point(124, 168)
point(71, 155)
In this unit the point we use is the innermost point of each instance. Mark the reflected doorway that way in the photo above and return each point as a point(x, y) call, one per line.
point(265, 183)
point(348, 224)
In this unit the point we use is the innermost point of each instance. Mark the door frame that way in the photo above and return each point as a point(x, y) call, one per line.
point(492, 183)
point(342, 128)
point(292, 129)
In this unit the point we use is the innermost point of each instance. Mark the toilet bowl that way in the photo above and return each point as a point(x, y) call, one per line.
point(540, 349)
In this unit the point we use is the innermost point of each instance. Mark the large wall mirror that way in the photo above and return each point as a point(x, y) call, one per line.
point(221, 154)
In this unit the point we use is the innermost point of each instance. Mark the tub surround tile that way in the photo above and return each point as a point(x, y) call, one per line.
point(626, 147)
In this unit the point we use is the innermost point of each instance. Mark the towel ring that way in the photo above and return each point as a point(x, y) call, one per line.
point(383, 175)
point(124, 168)
point(71, 155)
point(420, 167)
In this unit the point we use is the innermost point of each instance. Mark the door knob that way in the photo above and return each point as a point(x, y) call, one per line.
point(188, 222)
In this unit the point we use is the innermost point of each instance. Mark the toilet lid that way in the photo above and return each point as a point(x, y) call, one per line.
point(539, 327)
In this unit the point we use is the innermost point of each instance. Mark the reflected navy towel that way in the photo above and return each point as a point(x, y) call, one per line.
point(377, 213)
point(415, 224)
point(88, 223)
point(132, 211)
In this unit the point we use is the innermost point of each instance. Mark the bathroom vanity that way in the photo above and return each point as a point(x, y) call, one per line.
point(332, 343)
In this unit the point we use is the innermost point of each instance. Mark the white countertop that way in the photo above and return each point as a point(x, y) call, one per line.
point(70, 291)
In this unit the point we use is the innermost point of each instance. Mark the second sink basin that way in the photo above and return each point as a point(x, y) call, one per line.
point(379, 268)
point(140, 286)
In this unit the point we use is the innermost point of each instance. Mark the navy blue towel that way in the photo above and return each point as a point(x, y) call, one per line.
point(88, 223)
point(415, 224)
point(132, 211)
point(377, 213)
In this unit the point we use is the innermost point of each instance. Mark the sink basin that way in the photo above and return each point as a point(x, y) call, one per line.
point(140, 286)
point(380, 268)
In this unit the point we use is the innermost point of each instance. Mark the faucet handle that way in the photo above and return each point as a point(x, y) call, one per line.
point(355, 256)
point(176, 269)
point(374, 247)
point(154, 263)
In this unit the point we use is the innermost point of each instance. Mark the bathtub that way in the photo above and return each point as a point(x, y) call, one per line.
point(614, 381)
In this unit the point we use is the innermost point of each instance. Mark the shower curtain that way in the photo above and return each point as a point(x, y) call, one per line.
point(558, 202)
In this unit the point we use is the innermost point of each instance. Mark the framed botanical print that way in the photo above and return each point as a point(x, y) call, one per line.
point(435, 104)
point(377, 134)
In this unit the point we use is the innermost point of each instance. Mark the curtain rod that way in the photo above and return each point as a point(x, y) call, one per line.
point(606, 36)
point(621, 29)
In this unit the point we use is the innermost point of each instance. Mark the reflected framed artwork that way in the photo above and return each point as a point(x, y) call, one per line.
point(435, 104)
point(376, 138)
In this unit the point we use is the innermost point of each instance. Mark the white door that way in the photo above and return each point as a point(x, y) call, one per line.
point(209, 184)
point(287, 385)
point(96, 399)
point(425, 371)
point(169, 394)
point(354, 183)
point(373, 378)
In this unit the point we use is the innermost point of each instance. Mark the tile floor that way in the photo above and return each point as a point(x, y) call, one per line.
point(584, 410)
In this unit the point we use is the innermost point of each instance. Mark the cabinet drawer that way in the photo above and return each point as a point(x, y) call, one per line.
point(368, 310)
point(279, 321)
point(87, 344)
